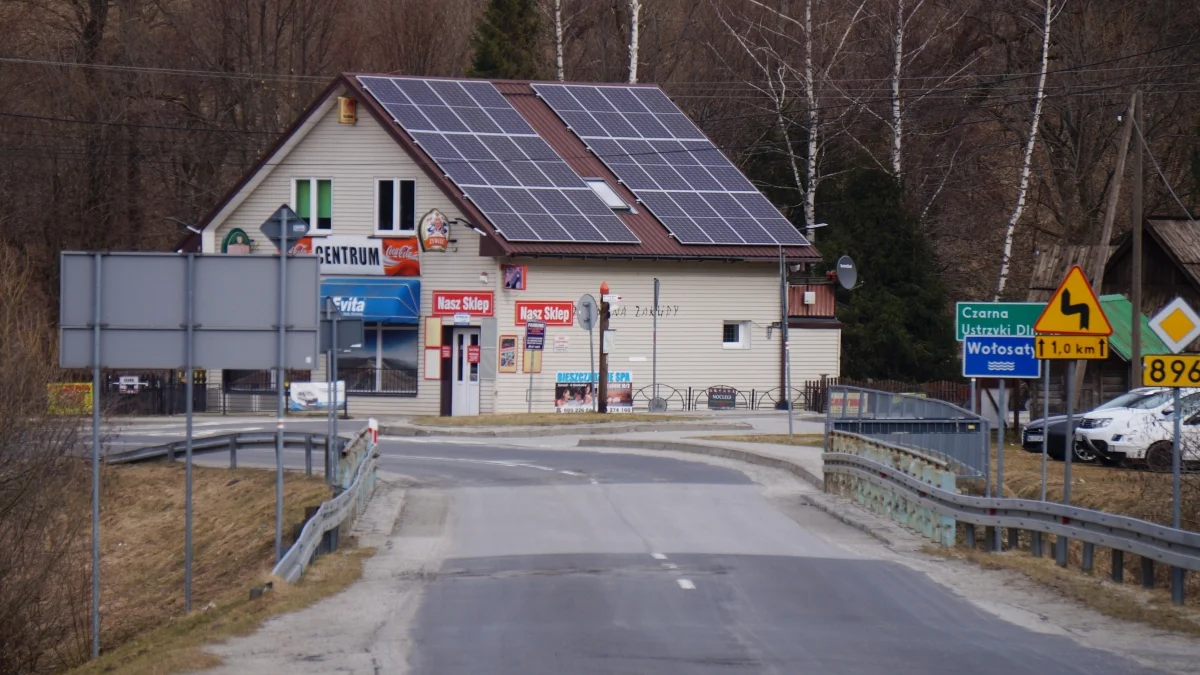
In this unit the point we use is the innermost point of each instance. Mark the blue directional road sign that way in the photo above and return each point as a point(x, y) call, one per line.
point(1003, 357)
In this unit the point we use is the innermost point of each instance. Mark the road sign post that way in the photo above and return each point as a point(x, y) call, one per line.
point(588, 314)
point(1073, 310)
point(535, 341)
point(1177, 324)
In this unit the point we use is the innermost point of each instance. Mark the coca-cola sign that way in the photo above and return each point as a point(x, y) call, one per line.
point(363, 256)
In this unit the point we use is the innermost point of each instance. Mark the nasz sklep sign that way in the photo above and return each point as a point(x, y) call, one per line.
point(552, 312)
point(997, 319)
point(574, 391)
point(470, 303)
point(363, 256)
point(1006, 357)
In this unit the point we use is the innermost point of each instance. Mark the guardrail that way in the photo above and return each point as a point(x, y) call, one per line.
point(320, 533)
point(866, 468)
point(227, 442)
point(928, 425)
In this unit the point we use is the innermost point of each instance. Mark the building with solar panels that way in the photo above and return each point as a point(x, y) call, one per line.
point(449, 214)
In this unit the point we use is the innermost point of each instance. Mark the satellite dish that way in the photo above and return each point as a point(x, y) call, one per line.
point(847, 273)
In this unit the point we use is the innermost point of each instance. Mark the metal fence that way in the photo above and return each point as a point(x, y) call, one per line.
point(814, 392)
point(943, 429)
point(903, 484)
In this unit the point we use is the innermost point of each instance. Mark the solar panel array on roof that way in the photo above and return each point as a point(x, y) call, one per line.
point(484, 145)
point(656, 151)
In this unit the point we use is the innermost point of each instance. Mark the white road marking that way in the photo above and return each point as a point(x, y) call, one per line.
point(437, 441)
point(686, 584)
point(571, 473)
point(670, 566)
point(595, 482)
point(658, 556)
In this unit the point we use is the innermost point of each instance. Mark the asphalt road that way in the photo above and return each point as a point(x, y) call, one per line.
point(607, 563)
point(583, 562)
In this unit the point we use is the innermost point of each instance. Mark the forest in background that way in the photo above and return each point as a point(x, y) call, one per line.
point(122, 119)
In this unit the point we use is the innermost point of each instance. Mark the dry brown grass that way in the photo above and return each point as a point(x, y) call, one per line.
point(141, 535)
point(545, 419)
point(1134, 493)
point(176, 646)
point(1127, 601)
point(810, 440)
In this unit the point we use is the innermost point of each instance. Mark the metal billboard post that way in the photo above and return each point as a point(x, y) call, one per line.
point(331, 398)
point(654, 347)
point(787, 348)
point(96, 461)
point(279, 377)
point(1061, 541)
point(189, 314)
point(1045, 425)
point(972, 406)
point(1000, 410)
point(1176, 517)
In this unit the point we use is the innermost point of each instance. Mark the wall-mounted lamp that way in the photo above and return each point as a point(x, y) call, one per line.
point(811, 231)
point(483, 278)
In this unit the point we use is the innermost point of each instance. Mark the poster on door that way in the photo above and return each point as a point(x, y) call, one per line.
point(575, 391)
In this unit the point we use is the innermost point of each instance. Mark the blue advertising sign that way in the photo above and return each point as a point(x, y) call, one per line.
point(1002, 357)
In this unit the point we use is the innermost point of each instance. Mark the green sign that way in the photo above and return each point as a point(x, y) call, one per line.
point(1014, 319)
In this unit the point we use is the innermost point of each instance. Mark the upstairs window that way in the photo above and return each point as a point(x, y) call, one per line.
point(395, 206)
point(607, 194)
point(314, 196)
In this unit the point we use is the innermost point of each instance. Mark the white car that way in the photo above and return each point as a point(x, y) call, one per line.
point(1135, 425)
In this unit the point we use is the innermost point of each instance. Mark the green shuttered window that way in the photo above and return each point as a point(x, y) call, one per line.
point(315, 195)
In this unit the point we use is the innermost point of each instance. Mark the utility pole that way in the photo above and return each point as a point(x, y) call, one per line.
point(1135, 360)
point(602, 386)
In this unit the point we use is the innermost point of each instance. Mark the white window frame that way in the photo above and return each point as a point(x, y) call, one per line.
point(396, 201)
point(313, 230)
point(743, 335)
point(611, 198)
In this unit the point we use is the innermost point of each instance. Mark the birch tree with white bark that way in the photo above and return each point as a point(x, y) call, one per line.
point(1027, 162)
point(635, 10)
point(782, 59)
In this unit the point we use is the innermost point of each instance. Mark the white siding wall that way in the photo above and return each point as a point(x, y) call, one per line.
point(353, 156)
point(698, 297)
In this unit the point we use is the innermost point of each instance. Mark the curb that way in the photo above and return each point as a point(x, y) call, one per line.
point(842, 510)
point(564, 430)
point(711, 450)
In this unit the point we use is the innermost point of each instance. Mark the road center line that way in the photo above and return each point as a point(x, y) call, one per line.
point(686, 584)
point(670, 566)
point(658, 556)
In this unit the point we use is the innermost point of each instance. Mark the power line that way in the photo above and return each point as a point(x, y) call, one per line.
point(136, 126)
point(1145, 147)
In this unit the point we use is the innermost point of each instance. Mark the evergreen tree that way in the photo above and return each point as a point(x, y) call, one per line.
point(896, 324)
point(507, 41)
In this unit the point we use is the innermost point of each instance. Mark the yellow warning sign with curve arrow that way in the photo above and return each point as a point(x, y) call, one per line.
point(1074, 309)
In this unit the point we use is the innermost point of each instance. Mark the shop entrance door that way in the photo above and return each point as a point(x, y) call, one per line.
point(465, 382)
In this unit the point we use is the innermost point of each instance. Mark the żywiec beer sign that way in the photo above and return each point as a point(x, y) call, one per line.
point(363, 256)
point(473, 303)
point(553, 313)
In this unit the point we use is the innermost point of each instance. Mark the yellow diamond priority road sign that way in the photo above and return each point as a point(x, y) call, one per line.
point(1177, 324)
point(1074, 309)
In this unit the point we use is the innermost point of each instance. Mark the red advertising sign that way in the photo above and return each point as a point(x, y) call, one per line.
point(445, 351)
point(474, 303)
point(472, 353)
point(553, 312)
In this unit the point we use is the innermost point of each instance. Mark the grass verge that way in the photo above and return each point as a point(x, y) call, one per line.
point(545, 419)
point(1122, 601)
point(142, 536)
point(177, 646)
point(810, 440)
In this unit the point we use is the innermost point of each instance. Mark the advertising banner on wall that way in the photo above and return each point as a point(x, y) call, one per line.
point(552, 312)
point(313, 396)
point(363, 256)
point(470, 303)
point(574, 391)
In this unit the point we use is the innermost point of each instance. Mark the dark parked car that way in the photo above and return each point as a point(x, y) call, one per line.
point(1031, 437)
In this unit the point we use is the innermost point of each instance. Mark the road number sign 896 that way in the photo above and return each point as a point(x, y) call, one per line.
point(1166, 370)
